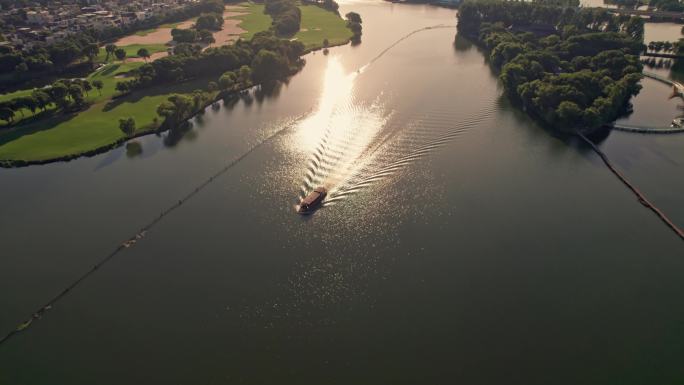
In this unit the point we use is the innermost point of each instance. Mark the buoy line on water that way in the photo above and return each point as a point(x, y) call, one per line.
point(143, 231)
point(640, 196)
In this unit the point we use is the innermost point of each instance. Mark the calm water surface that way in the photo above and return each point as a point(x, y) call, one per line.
point(460, 242)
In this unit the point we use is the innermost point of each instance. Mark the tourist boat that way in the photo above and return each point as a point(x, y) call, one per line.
point(678, 123)
point(312, 200)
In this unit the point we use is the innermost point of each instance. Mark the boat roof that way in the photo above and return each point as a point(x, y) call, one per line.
point(313, 196)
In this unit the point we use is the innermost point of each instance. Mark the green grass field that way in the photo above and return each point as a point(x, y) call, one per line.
point(15, 94)
point(96, 127)
point(132, 50)
point(146, 32)
point(254, 21)
point(107, 74)
point(319, 24)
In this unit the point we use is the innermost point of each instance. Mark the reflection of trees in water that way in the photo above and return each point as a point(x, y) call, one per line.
point(676, 66)
point(269, 90)
point(133, 149)
point(183, 132)
point(657, 63)
point(461, 43)
point(229, 101)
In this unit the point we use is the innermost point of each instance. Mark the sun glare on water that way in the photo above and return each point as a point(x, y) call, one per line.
point(340, 131)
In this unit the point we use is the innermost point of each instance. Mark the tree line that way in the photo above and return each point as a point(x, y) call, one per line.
point(286, 15)
point(263, 59)
point(202, 30)
point(568, 67)
point(64, 95)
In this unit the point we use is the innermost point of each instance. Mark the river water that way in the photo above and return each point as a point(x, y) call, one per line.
point(460, 241)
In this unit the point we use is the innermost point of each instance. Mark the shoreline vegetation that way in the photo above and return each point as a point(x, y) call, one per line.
point(568, 68)
point(155, 96)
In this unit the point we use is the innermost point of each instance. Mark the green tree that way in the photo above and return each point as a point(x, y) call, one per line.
point(123, 87)
point(7, 114)
point(91, 51)
point(184, 35)
point(176, 109)
point(98, 85)
point(269, 66)
point(569, 114)
point(353, 17)
point(206, 37)
point(76, 94)
point(144, 53)
point(120, 53)
point(210, 21)
point(245, 76)
point(30, 103)
point(58, 93)
point(227, 80)
point(87, 86)
point(42, 99)
point(109, 48)
point(127, 126)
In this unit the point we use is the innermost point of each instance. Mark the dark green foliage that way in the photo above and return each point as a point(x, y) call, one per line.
point(120, 53)
point(127, 126)
point(144, 53)
point(218, 60)
point(560, 64)
point(206, 36)
point(667, 5)
point(109, 48)
point(209, 21)
point(6, 114)
point(353, 17)
point(268, 66)
point(184, 35)
point(187, 49)
point(98, 85)
point(287, 17)
point(227, 80)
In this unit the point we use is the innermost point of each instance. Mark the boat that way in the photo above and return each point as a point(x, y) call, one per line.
point(312, 201)
point(678, 123)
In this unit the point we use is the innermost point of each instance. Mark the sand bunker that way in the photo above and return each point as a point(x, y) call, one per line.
point(153, 57)
point(158, 36)
point(230, 30)
point(229, 33)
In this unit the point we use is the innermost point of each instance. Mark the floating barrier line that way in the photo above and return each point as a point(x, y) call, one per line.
point(138, 236)
point(141, 234)
point(639, 194)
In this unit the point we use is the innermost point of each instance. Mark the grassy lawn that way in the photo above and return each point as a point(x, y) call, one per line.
point(132, 50)
point(254, 21)
point(319, 24)
point(15, 94)
point(146, 32)
point(106, 74)
point(96, 127)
